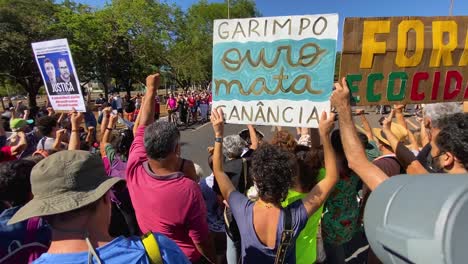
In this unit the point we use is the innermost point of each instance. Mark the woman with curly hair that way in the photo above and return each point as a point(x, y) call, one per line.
point(262, 223)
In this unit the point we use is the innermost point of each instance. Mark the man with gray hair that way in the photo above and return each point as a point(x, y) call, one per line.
point(165, 200)
point(432, 114)
point(234, 146)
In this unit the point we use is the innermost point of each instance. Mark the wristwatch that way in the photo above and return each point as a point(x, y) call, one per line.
point(219, 139)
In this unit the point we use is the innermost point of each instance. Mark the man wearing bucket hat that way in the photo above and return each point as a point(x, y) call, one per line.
point(71, 191)
point(388, 161)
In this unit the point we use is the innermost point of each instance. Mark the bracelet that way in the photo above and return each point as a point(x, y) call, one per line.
point(219, 139)
point(75, 130)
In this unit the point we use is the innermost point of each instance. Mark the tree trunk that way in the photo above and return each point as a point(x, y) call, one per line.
point(106, 89)
point(129, 88)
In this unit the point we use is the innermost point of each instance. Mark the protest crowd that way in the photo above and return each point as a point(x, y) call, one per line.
point(73, 194)
point(105, 181)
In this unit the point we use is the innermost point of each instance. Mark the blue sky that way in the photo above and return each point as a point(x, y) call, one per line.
point(345, 8)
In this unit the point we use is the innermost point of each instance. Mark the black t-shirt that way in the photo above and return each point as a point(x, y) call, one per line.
point(234, 169)
point(425, 158)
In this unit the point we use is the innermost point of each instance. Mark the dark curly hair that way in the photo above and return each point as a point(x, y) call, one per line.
point(453, 136)
point(46, 124)
point(310, 161)
point(284, 140)
point(122, 142)
point(15, 185)
point(272, 168)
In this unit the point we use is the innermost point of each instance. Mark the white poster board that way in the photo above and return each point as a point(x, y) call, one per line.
point(274, 70)
point(58, 72)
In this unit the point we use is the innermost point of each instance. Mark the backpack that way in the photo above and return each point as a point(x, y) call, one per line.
point(242, 185)
point(30, 250)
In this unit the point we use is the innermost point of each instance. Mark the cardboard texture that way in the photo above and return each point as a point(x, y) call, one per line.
point(389, 60)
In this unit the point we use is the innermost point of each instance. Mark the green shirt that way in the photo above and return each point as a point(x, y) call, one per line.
point(372, 151)
point(306, 242)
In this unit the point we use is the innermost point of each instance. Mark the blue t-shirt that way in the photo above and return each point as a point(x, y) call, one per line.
point(121, 250)
point(253, 251)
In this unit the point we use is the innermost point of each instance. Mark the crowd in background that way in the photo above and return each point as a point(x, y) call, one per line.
point(115, 189)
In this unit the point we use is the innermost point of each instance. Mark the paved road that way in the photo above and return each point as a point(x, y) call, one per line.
point(196, 140)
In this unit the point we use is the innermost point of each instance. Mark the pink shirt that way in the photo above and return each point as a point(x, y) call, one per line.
point(172, 103)
point(172, 205)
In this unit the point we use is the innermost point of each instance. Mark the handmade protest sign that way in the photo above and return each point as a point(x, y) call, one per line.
point(274, 70)
point(389, 60)
point(58, 72)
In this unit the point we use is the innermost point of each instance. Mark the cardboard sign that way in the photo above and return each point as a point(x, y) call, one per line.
point(58, 72)
point(274, 70)
point(406, 59)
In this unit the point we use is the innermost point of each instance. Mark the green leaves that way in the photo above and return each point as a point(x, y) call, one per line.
point(119, 43)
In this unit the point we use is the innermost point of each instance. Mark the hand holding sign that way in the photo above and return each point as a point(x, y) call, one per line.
point(217, 121)
point(340, 96)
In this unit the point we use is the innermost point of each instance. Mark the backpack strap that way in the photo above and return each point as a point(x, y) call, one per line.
point(286, 237)
point(31, 229)
point(43, 142)
point(244, 171)
point(152, 248)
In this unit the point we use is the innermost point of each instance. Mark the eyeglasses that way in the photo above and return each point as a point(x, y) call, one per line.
point(440, 154)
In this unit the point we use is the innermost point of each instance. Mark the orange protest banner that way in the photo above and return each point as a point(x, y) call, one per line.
point(388, 60)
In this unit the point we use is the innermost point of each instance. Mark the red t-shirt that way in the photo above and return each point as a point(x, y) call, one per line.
point(191, 102)
point(6, 154)
point(172, 205)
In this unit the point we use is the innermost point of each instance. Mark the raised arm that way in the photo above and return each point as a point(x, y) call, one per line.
point(59, 135)
point(425, 137)
point(21, 146)
point(253, 137)
point(76, 119)
point(404, 155)
point(90, 136)
point(105, 120)
point(107, 136)
point(60, 119)
point(147, 108)
point(225, 185)
point(316, 197)
point(354, 151)
point(137, 120)
point(137, 153)
point(365, 124)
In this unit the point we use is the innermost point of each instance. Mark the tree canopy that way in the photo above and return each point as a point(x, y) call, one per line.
point(121, 42)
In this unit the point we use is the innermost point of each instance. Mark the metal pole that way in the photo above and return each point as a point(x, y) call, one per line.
point(451, 8)
point(230, 6)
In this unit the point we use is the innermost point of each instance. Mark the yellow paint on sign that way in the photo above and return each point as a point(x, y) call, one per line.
point(403, 28)
point(371, 45)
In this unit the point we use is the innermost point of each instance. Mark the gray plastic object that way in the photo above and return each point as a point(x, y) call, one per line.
point(419, 219)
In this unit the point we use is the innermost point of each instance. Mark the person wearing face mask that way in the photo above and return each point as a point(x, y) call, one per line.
point(432, 114)
point(449, 147)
